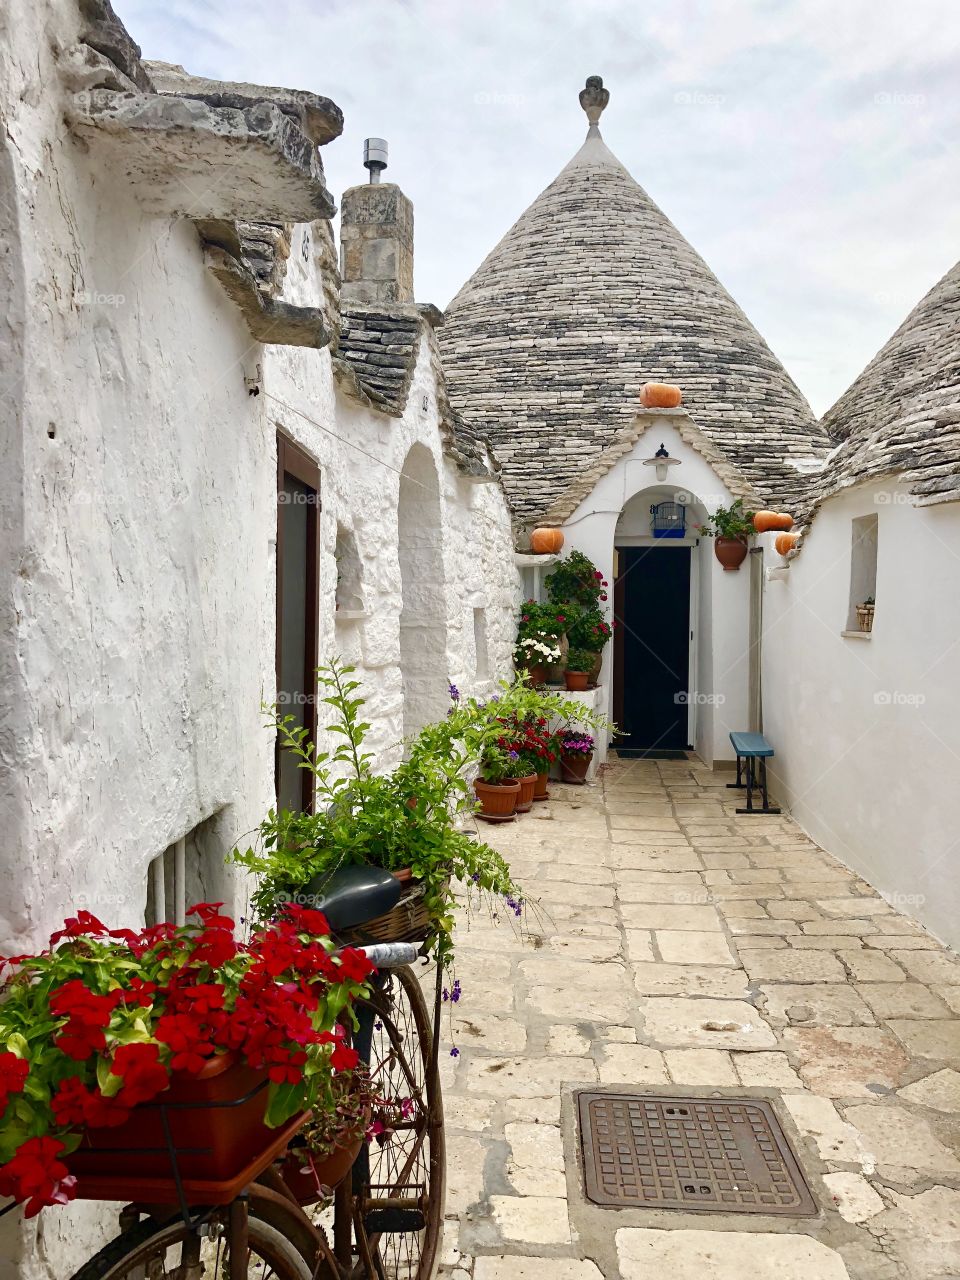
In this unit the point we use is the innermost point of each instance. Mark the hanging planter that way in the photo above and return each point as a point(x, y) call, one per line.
point(865, 615)
point(731, 552)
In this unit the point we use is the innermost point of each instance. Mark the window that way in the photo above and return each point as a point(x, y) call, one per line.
point(298, 548)
point(863, 573)
point(482, 661)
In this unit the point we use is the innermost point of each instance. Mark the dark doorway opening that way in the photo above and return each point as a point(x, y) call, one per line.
point(298, 547)
point(651, 678)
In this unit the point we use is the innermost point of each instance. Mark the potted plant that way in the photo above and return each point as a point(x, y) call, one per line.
point(497, 787)
point(534, 653)
point(576, 580)
point(730, 527)
point(576, 753)
point(865, 614)
point(107, 1024)
point(579, 665)
point(322, 1152)
point(406, 821)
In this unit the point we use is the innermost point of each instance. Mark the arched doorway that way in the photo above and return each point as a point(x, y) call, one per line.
point(659, 606)
point(423, 629)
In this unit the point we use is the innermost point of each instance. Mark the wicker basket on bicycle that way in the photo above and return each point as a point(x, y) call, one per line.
point(408, 921)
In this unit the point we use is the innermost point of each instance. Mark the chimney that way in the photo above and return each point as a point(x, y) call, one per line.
point(376, 236)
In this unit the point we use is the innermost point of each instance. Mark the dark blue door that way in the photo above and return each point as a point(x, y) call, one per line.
point(652, 656)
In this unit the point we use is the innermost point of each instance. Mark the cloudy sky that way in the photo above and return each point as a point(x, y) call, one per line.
point(806, 148)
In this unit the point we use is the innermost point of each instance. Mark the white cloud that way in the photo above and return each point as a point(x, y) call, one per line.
point(805, 148)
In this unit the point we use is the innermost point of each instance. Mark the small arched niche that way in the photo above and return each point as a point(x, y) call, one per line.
point(349, 573)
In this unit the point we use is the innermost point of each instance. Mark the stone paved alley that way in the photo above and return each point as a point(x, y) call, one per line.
point(668, 912)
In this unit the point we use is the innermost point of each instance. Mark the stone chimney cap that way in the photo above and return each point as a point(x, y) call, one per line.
point(593, 98)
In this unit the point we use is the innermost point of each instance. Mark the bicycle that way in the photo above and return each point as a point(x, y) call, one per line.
point(387, 1214)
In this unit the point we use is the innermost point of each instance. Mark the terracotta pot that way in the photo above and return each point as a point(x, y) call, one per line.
point(546, 541)
point(538, 676)
point(772, 521)
point(540, 789)
point(785, 542)
point(527, 788)
point(302, 1172)
point(593, 675)
point(403, 875)
point(498, 799)
point(660, 395)
point(576, 680)
point(731, 552)
point(574, 766)
point(213, 1142)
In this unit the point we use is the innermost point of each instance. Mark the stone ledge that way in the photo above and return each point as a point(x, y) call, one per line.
point(268, 320)
point(183, 157)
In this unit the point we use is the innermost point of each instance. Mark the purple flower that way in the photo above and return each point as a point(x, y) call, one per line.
point(454, 692)
point(454, 1052)
point(455, 993)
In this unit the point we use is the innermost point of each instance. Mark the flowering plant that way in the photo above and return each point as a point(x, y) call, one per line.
point(539, 619)
point(574, 743)
point(534, 651)
point(500, 763)
point(94, 1026)
point(576, 580)
point(587, 629)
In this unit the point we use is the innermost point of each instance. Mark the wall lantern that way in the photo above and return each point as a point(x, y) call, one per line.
point(662, 461)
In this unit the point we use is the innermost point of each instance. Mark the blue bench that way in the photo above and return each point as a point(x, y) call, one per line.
point(753, 752)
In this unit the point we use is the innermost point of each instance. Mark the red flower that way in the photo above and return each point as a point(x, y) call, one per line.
point(144, 1075)
point(344, 1058)
point(307, 921)
point(603, 595)
point(187, 1038)
point(87, 1014)
point(81, 925)
point(37, 1176)
point(13, 1075)
point(139, 992)
point(354, 965)
point(209, 913)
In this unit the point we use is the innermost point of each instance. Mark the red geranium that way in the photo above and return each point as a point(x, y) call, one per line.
point(36, 1175)
point(144, 1076)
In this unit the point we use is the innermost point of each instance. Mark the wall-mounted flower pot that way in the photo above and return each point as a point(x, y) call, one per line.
point(540, 788)
point(865, 617)
point(498, 800)
point(577, 680)
point(574, 766)
point(731, 552)
point(525, 799)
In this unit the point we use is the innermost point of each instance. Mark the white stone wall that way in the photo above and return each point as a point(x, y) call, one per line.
point(865, 730)
point(138, 531)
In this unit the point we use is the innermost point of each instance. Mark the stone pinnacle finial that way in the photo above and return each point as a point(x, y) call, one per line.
point(593, 98)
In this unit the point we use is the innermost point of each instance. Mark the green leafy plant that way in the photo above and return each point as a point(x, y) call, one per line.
point(587, 629)
point(729, 522)
point(407, 818)
point(581, 660)
point(500, 764)
point(542, 620)
point(536, 650)
point(576, 580)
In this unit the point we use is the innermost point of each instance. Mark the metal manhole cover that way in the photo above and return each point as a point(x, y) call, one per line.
point(719, 1155)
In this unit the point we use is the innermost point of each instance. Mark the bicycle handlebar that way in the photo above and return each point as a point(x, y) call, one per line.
point(390, 955)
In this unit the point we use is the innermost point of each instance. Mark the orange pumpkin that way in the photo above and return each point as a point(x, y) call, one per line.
point(660, 395)
point(546, 542)
point(785, 542)
point(766, 521)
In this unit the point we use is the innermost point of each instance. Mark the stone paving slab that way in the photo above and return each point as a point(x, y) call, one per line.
point(681, 946)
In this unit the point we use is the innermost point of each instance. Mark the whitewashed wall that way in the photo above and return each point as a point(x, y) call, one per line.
point(866, 730)
point(723, 613)
point(138, 530)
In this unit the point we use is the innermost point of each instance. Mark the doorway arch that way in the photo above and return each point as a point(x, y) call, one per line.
point(423, 623)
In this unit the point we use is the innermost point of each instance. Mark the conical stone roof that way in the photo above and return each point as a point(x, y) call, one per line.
point(592, 293)
point(902, 415)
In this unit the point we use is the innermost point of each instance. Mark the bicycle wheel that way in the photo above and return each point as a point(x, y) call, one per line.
point(158, 1250)
point(398, 1179)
